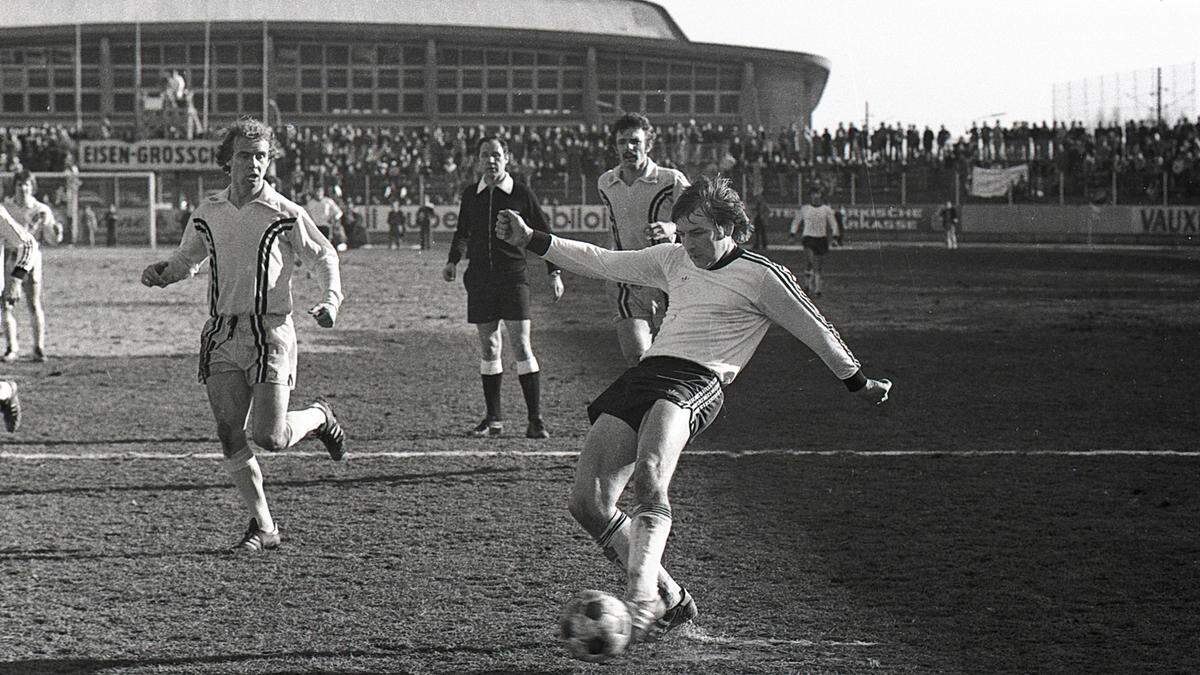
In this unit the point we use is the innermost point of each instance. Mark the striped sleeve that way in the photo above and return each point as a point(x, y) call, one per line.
point(782, 301)
point(193, 250)
point(644, 267)
point(14, 235)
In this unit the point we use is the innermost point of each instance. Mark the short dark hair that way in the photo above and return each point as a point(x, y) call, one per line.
point(633, 120)
point(23, 176)
point(245, 127)
point(716, 199)
point(492, 139)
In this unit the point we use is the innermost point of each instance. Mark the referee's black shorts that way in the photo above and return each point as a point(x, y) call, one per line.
point(492, 296)
point(689, 385)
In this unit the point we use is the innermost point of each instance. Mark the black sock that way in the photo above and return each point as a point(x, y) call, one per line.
point(531, 386)
point(491, 395)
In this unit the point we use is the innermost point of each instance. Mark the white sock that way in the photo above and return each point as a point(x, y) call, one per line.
point(491, 367)
point(301, 422)
point(6, 390)
point(529, 366)
point(614, 541)
point(649, 528)
point(248, 479)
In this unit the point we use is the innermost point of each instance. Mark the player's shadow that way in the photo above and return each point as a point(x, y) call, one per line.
point(389, 480)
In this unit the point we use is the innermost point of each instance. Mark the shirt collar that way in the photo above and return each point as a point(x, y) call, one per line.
point(733, 254)
point(505, 185)
point(268, 196)
point(648, 175)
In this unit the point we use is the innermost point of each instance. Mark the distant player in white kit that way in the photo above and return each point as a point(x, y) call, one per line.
point(818, 225)
point(638, 195)
point(251, 235)
point(38, 220)
point(17, 241)
point(723, 300)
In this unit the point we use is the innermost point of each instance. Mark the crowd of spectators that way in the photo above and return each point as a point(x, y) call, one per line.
point(386, 164)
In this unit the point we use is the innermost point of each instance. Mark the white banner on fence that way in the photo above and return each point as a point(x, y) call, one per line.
point(572, 218)
point(156, 155)
point(996, 182)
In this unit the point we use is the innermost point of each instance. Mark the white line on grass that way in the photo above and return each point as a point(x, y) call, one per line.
point(469, 454)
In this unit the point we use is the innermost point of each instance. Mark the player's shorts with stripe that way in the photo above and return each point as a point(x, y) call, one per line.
point(262, 347)
point(637, 302)
point(35, 270)
point(689, 385)
point(492, 296)
point(818, 245)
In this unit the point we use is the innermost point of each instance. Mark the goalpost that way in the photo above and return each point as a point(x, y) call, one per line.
point(133, 193)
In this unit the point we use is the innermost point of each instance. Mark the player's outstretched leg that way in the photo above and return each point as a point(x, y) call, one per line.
point(329, 432)
point(274, 428)
point(230, 399)
point(10, 406)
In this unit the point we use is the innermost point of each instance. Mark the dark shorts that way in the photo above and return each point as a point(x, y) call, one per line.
point(492, 296)
point(689, 385)
point(818, 245)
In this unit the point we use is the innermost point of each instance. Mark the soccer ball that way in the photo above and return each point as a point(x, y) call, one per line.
point(595, 626)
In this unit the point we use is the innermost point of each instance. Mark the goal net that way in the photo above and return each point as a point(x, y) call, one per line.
point(133, 196)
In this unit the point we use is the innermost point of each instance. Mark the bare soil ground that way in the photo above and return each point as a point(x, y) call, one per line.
point(1027, 502)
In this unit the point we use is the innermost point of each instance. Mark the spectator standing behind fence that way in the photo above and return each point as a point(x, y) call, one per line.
point(110, 225)
point(949, 216)
point(425, 224)
point(396, 226)
point(760, 214)
point(90, 223)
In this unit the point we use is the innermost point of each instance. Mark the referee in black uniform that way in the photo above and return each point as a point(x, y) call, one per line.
point(496, 285)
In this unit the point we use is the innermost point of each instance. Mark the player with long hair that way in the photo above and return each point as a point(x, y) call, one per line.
point(723, 300)
point(38, 220)
point(251, 236)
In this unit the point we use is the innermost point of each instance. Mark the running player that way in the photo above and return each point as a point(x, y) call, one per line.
point(496, 284)
point(37, 219)
point(723, 299)
point(817, 224)
point(18, 242)
point(638, 195)
point(250, 236)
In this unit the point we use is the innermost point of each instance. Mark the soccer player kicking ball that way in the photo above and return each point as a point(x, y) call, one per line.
point(723, 299)
point(251, 236)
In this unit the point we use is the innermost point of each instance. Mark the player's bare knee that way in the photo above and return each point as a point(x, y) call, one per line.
point(649, 483)
point(232, 439)
point(271, 440)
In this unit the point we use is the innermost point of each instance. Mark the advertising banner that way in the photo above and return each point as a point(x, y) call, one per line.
point(155, 155)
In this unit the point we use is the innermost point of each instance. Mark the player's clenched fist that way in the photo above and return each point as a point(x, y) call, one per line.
point(875, 391)
point(511, 228)
point(152, 275)
point(449, 271)
point(325, 314)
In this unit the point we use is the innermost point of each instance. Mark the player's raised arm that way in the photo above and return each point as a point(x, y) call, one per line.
point(643, 267)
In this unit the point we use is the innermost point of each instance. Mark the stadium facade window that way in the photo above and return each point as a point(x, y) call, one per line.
point(122, 54)
point(447, 56)
point(549, 59)
point(388, 78)
point(226, 78)
point(729, 104)
point(389, 55)
point(335, 101)
point(195, 54)
point(497, 79)
point(312, 55)
point(151, 54)
point(225, 53)
point(251, 53)
point(414, 56)
point(89, 78)
point(122, 77)
point(547, 79)
point(656, 103)
point(362, 55)
point(14, 102)
point(547, 102)
point(336, 77)
point(389, 103)
point(283, 79)
point(681, 104)
point(252, 77)
point(472, 78)
point(572, 78)
point(228, 102)
point(572, 102)
point(631, 102)
point(522, 102)
point(522, 58)
point(123, 102)
point(337, 55)
point(311, 78)
point(497, 103)
point(39, 102)
point(447, 103)
point(64, 77)
point(311, 103)
point(498, 57)
point(286, 102)
point(472, 103)
point(680, 76)
point(363, 79)
point(175, 54)
point(364, 102)
point(447, 78)
point(12, 78)
point(472, 57)
point(39, 78)
point(522, 79)
point(64, 102)
point(414, 79)
point(704, 104)
point(89, 102)
point(706, 78)
point(414, 103)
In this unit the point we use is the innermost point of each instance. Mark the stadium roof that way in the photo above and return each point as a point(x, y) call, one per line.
point(627, 18)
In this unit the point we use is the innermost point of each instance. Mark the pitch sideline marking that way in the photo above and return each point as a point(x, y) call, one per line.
point(474, 454)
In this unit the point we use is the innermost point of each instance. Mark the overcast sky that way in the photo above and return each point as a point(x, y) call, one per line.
point(934, 61)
